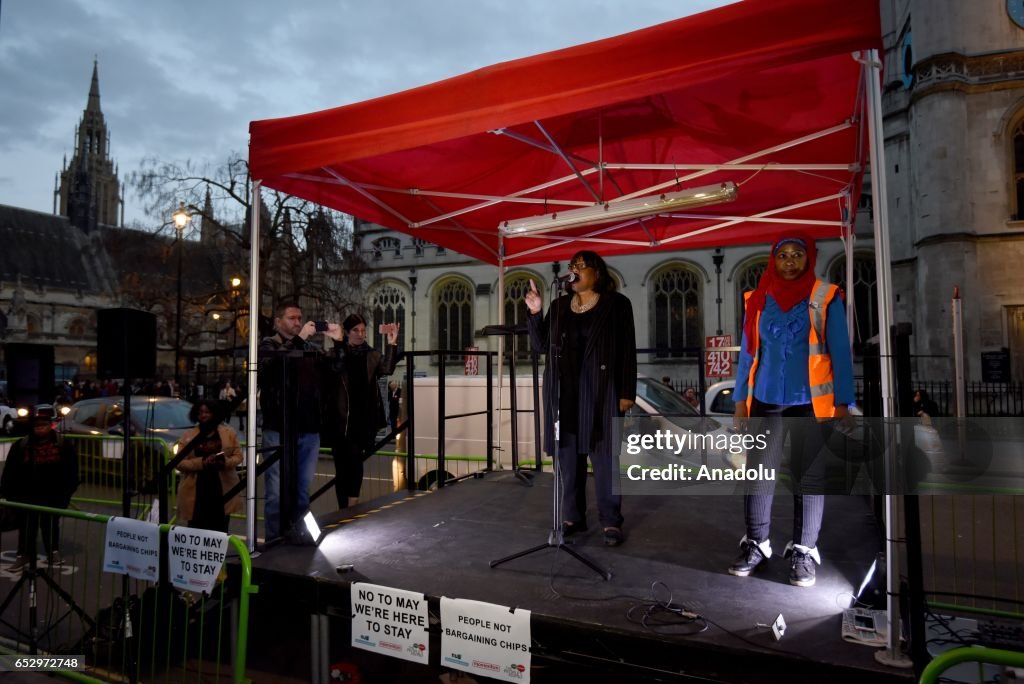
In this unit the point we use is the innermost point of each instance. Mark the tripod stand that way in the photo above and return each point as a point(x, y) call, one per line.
point(556, 537)
point(30, 575)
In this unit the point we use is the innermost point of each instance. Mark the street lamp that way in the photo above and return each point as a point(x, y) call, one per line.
point(181, 219)
point(236, 283)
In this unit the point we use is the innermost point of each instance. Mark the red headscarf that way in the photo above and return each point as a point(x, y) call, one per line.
point(786, 293)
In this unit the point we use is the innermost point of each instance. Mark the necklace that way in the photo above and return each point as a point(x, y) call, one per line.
point(578, 306)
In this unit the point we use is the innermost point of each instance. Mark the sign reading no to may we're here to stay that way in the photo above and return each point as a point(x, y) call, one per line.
point(391, 622)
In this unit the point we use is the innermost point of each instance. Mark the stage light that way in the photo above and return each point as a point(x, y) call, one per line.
point(313, 528)
point(637, 207)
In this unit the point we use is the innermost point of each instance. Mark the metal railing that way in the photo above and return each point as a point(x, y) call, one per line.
point(124, 628)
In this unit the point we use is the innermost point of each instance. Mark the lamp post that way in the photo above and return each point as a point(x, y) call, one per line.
point(412, 286)
point(717, 258)
point(181, 219)
point(216, 342)
point(236, 283)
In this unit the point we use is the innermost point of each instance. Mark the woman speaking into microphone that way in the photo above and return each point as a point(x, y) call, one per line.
point(593, 336)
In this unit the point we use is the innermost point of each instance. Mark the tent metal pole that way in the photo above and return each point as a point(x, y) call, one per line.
point(872, 82)
point(501, 352)
point(252, 368)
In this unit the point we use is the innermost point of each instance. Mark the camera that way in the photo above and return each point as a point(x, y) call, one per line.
point(321, 326)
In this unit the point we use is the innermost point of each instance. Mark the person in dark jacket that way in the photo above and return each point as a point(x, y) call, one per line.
point(596, 359)
point(353, 403)
point(302, 393)
point(41, 469)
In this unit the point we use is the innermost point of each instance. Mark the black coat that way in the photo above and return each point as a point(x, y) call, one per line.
point(608, 371)
point(303, 365)
point(43, 473)
point(336, 399)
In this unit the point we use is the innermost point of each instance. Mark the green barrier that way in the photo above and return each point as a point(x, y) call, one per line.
point(55, 588)
point(969, 654)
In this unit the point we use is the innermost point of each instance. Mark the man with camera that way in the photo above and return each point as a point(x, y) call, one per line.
point(289, 380)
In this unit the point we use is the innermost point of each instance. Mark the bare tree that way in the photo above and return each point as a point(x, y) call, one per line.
point(305, 249)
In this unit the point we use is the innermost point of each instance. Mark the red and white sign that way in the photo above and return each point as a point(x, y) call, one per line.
point(472, 361)
point(717, 364)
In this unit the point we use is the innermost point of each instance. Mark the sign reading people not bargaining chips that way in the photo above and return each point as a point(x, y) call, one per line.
point(485, 639)
point(132, 548)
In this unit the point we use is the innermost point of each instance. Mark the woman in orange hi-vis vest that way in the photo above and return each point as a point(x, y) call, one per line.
point(795, 373)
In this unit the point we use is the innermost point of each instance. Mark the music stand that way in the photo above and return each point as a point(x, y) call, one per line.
point(510, 332)
point(556, 537)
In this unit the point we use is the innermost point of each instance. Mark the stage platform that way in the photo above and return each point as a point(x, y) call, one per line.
point(441, 543)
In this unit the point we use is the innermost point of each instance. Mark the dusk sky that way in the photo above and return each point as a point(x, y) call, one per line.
point(180, 81)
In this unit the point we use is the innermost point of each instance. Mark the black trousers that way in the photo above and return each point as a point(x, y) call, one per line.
point(572, 466)
point(807, 463)
point(348, 456)
point(32, 524)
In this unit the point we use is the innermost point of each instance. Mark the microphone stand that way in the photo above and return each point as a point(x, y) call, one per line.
point(556, 537)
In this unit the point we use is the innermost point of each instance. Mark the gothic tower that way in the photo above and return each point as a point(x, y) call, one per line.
point(89, 191)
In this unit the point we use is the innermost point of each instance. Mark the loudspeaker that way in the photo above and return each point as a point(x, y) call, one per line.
point(30, 378)
point(125, 344)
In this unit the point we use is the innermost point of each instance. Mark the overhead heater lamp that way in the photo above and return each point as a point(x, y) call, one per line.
point(638, 207)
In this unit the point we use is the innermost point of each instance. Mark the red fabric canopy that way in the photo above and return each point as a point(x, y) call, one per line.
point(769, 84)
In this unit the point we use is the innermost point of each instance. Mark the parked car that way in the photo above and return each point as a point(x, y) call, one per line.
point(159, 417)
point(660, 403)
point(8, 419)
point(718, 399)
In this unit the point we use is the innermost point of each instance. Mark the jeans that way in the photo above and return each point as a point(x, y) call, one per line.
point(307, 451)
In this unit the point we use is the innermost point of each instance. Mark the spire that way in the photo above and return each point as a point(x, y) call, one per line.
point(94, 89)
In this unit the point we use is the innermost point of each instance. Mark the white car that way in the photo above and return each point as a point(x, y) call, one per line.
point(8, 418)
point(661, 404)
point(718, 399)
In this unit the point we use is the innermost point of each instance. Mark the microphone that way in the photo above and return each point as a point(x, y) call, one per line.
point(569, 277)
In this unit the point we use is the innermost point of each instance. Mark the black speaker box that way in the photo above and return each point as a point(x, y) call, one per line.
point(125, 344)
point(30, 378)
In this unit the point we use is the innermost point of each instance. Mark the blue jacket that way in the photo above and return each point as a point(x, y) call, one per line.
point(782, 374)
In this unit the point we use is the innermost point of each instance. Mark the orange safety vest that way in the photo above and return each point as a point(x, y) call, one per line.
point(819, 361)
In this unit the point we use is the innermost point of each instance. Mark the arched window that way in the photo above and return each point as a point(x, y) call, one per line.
point(746, 280)
point(516, 287)
point(33, 326)
point(453, 303)
point(865, 295)
point(676, 311)
point(386, 245)
point(1017, 211)
point(387, 305)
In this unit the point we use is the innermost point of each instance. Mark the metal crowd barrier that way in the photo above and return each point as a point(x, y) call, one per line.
point(126, 629)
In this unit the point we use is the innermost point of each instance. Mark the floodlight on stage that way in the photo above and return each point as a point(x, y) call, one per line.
point(312, 527)
point(637, 207)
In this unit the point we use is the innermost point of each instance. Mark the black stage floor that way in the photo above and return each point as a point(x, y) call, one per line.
point(441, 544)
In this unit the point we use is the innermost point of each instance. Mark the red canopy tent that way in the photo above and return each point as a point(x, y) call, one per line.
point(765, 93)
point(780, 97)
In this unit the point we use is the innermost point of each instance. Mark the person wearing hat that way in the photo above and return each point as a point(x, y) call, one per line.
point(41, 469)
point(354, 411)
point(795, 363)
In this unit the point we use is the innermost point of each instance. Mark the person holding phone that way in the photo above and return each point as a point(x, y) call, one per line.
point(353, 408)
point(208, 471)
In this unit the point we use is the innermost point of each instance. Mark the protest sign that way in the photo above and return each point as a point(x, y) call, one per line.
point(195, 557)
point(132, 548)
point(485, 639)
point(390, 621)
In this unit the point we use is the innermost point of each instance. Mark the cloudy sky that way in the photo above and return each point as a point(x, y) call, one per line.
point(180, 80)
